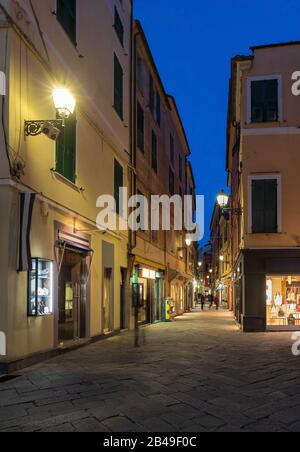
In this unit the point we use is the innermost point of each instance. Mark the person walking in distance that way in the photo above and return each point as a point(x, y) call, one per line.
point(217, 302)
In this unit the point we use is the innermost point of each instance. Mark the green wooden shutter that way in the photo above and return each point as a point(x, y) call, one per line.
point(271, 206)
point(118, 87)
point(154, 151)
point(66, 150)
point(118, 183)
point(264, 206)
point(264, 101)
point(140, 128)
point(66, 15)
point(158, 109)
point(151, 94)
point(119, 27)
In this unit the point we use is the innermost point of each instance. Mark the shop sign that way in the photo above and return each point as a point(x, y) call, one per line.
point(148, 274)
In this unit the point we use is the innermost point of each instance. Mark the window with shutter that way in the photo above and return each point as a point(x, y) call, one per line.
point(154, 151)
point(66, 15)
point(119, 27)
point(180, 167)
point(66, 150)
point(151, 94)
point(118, 87)
point(171, 181)
point(140, 128)
point(158, 109)
point(118, 183)
point(264, 101)
point(264, 206)
point(172, 149)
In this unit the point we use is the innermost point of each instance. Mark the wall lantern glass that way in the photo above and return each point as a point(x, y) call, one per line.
point(222, 199)
point(188, 242)
point(64, 102)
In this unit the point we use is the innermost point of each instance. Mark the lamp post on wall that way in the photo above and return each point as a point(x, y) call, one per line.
point(65, 104)
point(223, 201)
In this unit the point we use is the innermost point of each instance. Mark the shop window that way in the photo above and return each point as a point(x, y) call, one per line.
point(66, 150)
point(283, 302)
point(40, 288)
point(66, 15)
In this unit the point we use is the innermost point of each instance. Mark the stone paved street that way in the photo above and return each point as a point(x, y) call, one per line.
point(197, 374)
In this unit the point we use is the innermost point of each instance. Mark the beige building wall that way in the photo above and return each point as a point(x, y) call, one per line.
point(272, 148)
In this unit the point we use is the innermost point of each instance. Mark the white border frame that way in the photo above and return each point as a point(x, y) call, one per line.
point(269, 176)
point(280, 96)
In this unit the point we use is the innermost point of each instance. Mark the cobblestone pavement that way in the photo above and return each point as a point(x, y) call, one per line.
point(197, 374)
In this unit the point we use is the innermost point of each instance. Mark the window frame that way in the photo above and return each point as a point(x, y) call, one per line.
point(117, 18)
point(154, 162)
point(74, 41)
point(263, 78)
point(116, 60)
point(276, 177)
point(140, 109)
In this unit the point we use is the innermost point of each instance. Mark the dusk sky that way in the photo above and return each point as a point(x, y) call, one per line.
point(192, 43)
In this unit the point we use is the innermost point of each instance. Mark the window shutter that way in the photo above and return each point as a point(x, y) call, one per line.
point(264, 101)
point(140, 128)
point(119, 27)
point(158, 109)
point(264, 206)
point(66, 15)
point(151, 93)
point(118, 183)
point(271, 208)
point(258, 206)
point(154, 152)
point(118, 87)
point(66, 150)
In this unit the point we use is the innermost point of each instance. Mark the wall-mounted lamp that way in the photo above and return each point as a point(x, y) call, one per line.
point(223, 200)
point(188, 242)
point(65, 104)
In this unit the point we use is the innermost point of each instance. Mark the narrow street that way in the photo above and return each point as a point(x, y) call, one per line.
point(197, 374)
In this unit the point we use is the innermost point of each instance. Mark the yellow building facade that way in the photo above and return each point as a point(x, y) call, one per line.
point(76, 289)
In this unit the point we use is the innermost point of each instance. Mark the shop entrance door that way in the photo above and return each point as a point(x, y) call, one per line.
point(72, 297)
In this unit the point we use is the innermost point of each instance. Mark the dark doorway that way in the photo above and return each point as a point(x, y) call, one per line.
point(123, 314)
point(72, 296)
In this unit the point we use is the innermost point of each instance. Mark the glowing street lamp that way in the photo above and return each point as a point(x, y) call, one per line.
point(223, 199)
point(64, 102)
point(188, 242)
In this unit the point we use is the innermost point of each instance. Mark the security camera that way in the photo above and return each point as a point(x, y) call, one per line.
point(50, 131)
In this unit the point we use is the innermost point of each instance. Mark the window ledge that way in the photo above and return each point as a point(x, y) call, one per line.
point(66, 181)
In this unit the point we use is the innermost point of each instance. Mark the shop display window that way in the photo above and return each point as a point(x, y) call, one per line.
point(40, 288)
point(283, 302)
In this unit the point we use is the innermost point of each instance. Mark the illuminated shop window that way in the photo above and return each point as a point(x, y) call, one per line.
point(40, 288)
point(283, 302)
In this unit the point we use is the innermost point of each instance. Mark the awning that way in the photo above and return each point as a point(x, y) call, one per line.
point(26, 209)
point(72, 242)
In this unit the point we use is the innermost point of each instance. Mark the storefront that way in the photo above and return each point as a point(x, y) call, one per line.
point(148, 293)
point(267, 290)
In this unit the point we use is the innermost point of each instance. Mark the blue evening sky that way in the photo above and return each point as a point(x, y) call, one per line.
point(192, 42)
